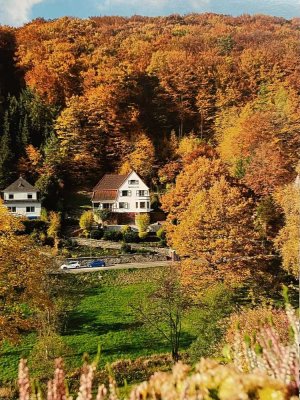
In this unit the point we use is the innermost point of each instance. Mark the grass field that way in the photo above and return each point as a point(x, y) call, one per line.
point(102, 315)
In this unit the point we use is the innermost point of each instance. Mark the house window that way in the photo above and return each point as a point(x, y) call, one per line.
point(133, 182)
point(106, 206)
point(136, 205)
point(10, 196)
point(123, 205)
point(29, 196)
point(12, 209)
point(30, 209)
point(148, 204)
point(142, 204)
point(142, 193)
point(125, 193)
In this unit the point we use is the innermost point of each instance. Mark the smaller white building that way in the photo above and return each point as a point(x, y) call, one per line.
point(121, 194)
point(21, 198)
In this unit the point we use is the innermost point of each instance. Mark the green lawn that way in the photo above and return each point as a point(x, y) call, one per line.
point(103, 316)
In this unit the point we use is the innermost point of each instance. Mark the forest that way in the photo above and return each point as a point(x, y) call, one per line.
point(204, 107)
point(198, 100)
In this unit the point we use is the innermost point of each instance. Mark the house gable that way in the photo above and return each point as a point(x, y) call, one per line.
point(20, 185)
point(129, 183)
point(122, 193)
point(21, 198)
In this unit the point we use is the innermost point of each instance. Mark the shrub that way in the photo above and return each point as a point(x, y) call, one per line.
point(44, 215)
point(114, 236)
point(267, 352)
point(140, 369)
point(163, 243)
point(142, 221)
point(103, 215)
point(250, 321)
point(65, 252)
point(161, 234)
point(45, 351)
point(131, 237)
point(86, 222)
point(67, 243)
point(126, 229)
point(97, 234)
point(54, 227)
point(209, 381)
point(125, 248)
point(155, 203)
point(34, 225)
point(143, 235)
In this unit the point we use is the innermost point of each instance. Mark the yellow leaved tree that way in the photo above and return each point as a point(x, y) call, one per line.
point(23, 278)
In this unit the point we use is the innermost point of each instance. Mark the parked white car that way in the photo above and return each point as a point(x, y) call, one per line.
point(70, 265)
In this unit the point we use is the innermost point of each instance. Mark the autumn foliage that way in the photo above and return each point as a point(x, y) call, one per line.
point(204, 107)
point(23, 279)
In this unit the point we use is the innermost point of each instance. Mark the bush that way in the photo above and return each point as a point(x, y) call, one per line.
point(86, 222)
point(126, 248)
point(250, 320)
point(140, 369)
point(34, 225)
point(45, 351)
point(143, 235)
point(114, 236)
point(65, 252)
point(209, 380)
point(131, 237)
point(267, 352)
point(97, 234)
point(67, 243)
point(161, 234)
point(103, 215)
point(36, 236)
point(155, 202)
point(163, 243)
point(142, 221)
point(126, 229)
point(44, 215)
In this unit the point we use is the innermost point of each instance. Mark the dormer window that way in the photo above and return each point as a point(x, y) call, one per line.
point(29, 196)
point(10, 196)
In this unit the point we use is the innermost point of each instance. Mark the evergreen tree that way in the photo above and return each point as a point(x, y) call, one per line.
point(6, 154)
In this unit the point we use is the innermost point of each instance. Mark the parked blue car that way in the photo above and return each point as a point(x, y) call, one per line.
point(96, 264)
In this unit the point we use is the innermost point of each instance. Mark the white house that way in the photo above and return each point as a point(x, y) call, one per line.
point(121, 194)
point(21, 198)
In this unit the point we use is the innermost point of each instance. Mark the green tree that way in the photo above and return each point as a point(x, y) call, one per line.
point(164, 309)
point(6, 155)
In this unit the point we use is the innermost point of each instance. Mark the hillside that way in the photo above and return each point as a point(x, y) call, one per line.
point(83, 97)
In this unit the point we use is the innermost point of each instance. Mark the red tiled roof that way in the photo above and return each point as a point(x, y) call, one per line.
point(102, 195)
point(110, 182)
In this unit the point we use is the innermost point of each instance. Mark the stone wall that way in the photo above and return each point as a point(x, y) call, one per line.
point(122, 258)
